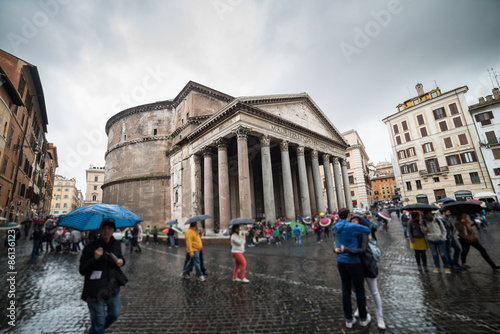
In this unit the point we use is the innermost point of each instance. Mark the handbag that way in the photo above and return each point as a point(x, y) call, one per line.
point(120, 276)
point(471, 238)
point(377, 254)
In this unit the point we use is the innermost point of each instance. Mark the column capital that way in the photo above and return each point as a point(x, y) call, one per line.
point(336, 160)
point(242, 132)
point(265, 140)
point(284, 145)
point(221, 144)
point(326, 157)
point(196, 158)
point(314, 154)
point(300, 150)
point(343, 162)
point(206, 151)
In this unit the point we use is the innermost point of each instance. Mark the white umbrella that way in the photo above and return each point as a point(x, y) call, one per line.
point(485, 194)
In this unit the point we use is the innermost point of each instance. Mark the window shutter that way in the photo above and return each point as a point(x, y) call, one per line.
point(427, 166)
point(407, 136)
point(474, 157)
point(423, 149)
point(423, 132)
point(420, 119)
point(404, 125)
point(435, 114)
point(462, 158)
point(447, 142)
point(457, 121)
point(432, 147)
point(490, 115)
point(443, 126)
point(396, 129)
point(453, 109)
point(448, 161)
point(496, 153)
point(497, 171)
point(398, 140)
point(437, 164)
point(462, 139)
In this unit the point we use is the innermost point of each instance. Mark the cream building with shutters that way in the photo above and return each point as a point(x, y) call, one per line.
point(436, 147)
point(65, 197)
point(95, 179)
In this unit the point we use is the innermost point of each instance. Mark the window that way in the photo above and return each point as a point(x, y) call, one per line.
point(182, 121)
point(59, 183)
point(408, 185)
point(410, 168)
point(453, 109)
point(22, 85)
point(432, 166)
point(439, 113)
point(58, 196)
point(5, 163)
point(94, 198)
point(410, 152)
point(66, 189)
point(96, 179)
point(404, 125)
point(463, 139)
point(65, 196)
point(398, 140)
point(67, 183)
point(65, 205)
point(58, 205)
point(491, 137)
point(447, 142)
point(485, 118)
point(396, 129)
point(59, 189)
point(352, 192)
point(435, 179)
point(420, 119)
point(402, 154)
point(443, 126)
point(401, 108)
point(95, 187)
point(124, 137)
point(468, 157)
point(423, 132)
point(458, 179)
point(434, 94)
point(428, 147)
point(415, 102)
point(154, 132)
point(347, 155)
point(474, 177)
point(9, 140)
point(496, 171)
point(496, 153)
point(419, 184)
point(351, 179)
point(457, 121)
point(407, 137)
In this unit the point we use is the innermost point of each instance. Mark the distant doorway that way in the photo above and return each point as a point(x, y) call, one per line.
point(439, 193)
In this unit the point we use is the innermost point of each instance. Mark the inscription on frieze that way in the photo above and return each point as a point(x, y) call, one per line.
point(296, 136)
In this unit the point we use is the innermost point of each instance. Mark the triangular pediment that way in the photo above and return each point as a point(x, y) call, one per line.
point(299, 109)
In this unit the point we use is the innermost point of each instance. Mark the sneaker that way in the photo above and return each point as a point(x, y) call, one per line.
point(356, 314)
point(185, 276)
point(436, 270)
point(202, 278)
point(447, 270)
point(365, 323)
point(349, 324)
point(465, 265)
point(236, 279)
point(381, 323)
point(244, 280)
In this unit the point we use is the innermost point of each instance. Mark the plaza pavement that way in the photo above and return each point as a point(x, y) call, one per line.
point(292, 290)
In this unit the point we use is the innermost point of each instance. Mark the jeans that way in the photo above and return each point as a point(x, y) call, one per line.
point(194, 261)
point(438, 248)
point(36, 247)
point(172, 240)
point(98, 317)
point(134, 243)
point(351, 274)
point(298, 240)
point(405, 230)
point(451, 242)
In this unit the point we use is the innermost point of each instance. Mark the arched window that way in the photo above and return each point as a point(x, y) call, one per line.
point(94, 198)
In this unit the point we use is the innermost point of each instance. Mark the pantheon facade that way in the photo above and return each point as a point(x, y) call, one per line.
point(206, 152)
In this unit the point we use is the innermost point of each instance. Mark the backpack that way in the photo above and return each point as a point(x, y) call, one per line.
point(372, 244)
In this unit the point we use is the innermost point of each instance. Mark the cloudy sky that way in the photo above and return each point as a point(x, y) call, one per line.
point(356, 59)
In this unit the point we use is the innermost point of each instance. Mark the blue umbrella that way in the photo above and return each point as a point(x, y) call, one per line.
point(89, 218)
point(197, 218)
point(446, 200)
point(241, 221)
point(172, 222)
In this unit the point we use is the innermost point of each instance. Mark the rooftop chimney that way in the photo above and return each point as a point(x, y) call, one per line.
point(481, 100)
point(489, 98)
point(420, 89)
point(496, 93)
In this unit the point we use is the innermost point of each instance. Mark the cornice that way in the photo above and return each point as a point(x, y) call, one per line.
point(135, 141)
point(135, 179)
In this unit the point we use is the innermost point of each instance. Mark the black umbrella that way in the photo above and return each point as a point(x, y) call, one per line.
point(457, 208)
point(196, 218)
point(420, 207)
point(27, 221)
point(241, 221)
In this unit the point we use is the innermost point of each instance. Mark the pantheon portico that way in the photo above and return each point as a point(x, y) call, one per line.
point(207, 152)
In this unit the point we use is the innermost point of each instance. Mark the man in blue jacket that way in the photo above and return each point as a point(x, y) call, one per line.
point(350, 268)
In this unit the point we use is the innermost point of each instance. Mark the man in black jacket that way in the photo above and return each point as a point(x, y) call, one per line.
point(100, 264)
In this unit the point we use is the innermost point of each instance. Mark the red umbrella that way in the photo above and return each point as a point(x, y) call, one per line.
point(165, 230)
point(384, 214)
point(324, 222)
point(476, 201)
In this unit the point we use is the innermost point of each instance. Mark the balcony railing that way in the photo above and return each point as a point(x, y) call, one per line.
point(443, 170)
point(490, 142)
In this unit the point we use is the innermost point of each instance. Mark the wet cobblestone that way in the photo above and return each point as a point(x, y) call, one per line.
point(292, 290)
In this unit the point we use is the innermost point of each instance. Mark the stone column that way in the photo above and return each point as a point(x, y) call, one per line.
point(310, 183)
point(224, 197)
point(305, 201)
point(338, 183)
point(328, 183)
point(318, 188)
point(209, 189)
point(267, 179)
point(195, 185)
point(244, 172)
point(287, 181)
point(347, 187)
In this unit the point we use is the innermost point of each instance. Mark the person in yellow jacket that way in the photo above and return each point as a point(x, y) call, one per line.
point(193, 247)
